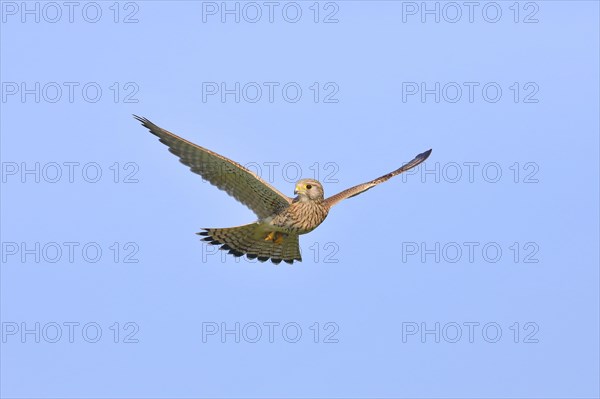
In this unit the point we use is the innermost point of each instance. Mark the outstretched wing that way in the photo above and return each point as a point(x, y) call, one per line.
point(361, 188)
point(229, 176)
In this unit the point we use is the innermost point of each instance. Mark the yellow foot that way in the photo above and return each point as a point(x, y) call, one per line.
point(279, 238)
point(275, 236)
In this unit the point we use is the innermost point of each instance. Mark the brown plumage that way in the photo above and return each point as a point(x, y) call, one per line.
point(280, 219)
point(250, 240)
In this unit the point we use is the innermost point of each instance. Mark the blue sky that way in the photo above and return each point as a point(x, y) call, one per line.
point(476, 275)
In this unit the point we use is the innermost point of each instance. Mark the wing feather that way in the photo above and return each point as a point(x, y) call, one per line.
point(361, 188)
point(229, 176)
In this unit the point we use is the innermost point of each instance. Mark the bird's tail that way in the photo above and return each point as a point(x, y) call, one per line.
point(255, 241)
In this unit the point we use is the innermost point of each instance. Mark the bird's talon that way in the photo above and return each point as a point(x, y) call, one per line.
point(279, 238)
point(275, 236)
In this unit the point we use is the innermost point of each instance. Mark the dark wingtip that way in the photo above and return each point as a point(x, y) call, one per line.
point(235, 253)
point(209, 239)
point(425, 154)
point(140, 118)
point(148, 125)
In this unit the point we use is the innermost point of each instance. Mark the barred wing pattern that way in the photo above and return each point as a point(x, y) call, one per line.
point(361, 188)
point(229, 176)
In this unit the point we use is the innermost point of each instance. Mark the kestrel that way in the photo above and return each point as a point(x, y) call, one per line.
point(281, 219)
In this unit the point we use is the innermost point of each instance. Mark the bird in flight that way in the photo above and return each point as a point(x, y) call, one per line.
point(281, 219)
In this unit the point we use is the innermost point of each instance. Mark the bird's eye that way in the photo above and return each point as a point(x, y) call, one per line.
point(308, 186)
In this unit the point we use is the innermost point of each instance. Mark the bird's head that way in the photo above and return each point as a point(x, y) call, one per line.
point(308, 189)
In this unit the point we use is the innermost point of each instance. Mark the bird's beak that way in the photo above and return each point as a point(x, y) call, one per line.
point(296, 192)
point(298, 189)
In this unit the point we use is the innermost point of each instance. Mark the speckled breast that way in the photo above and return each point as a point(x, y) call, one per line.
point(301, 217)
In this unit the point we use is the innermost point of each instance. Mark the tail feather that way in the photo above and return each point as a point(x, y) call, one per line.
point(250, 240)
